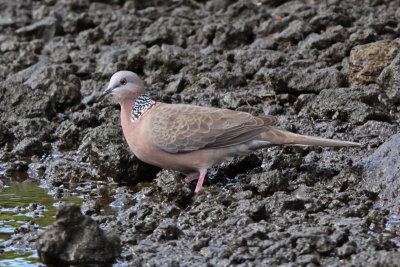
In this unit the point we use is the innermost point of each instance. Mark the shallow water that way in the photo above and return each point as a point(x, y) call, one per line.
point(21, 203)
point(392, 229)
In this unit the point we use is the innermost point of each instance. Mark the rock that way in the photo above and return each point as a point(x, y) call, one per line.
point(91, 207)
point(233, 35)
point(40, 128)
point(166, 58)
point(167, 230)
point(347, 104)
point(104, 147)
point(308, 80)
point(263, 43)
point(24, 237)
point(307, 260)
point(68, 134)
point(143, 4)
point(377, 128)
point(253, 60)
point(63, 171)
point(312, 80)
point(76, 239)
point(254, 210)
point(295, 32)
point(174, 187)
point(377, 258)
point(389, 80)
point(176, 85)
point(368, 61)
point(382, 163)
point(46, 29)
point(291, 206)
point(323, 40)
point(110, 62)
point(332, 16)
point(90, 117)
point(59, 49)
point(135, 59)
point(21, 102)
point(166, 30)
point(29, 147)
point(363, 36)
point(75, 23)
point(39, 91)
point(12, 15)
point(58, 82)
point(5, 134)
point(347, 249)
point(90, 36)
point(269, 182)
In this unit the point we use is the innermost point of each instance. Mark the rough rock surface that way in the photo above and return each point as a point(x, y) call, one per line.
point(367, 61)
point(103, 146)
point(325, 68)
point(385, 164)
point(389, 80)
point(76, 239)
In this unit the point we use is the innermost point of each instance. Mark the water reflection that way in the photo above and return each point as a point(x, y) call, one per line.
point(23, 204)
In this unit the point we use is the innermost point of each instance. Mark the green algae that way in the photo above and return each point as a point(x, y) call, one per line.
point(15, 211)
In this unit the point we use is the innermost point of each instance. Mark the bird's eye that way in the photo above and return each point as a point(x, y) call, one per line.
point(122, 81)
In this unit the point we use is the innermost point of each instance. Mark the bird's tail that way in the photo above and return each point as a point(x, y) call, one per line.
point(282, 137)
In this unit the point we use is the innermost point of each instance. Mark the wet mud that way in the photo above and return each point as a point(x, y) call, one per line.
point(325, 68)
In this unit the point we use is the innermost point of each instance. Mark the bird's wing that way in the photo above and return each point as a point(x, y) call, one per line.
point(183, 128)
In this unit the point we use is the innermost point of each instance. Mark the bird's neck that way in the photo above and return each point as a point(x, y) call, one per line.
point(139, 106)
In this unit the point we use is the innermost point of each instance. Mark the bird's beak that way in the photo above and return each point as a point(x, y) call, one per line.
point(106, 92)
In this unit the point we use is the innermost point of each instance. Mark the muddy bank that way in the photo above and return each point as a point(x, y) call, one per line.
point(326, 68)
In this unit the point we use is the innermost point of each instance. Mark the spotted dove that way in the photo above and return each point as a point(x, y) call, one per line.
point(191, 139)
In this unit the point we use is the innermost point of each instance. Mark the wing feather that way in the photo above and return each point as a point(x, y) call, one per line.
point(182, 128)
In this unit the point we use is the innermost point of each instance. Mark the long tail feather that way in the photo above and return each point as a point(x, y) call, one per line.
point(277, 136)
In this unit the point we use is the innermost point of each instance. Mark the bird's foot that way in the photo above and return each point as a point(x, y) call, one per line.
point(200, 181)
point(188, 179)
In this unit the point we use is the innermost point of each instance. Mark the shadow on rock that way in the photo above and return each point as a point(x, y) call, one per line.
point(103, 147)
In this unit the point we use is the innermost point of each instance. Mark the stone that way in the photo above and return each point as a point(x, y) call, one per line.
point(63, 171)
point(389, 80)
point(347, 104)
point(104, 147)
point(68, 134)
point(384, 163)
point(269, 182)
point(75, 239)
point(40, 128)
point(29, 147)
point(45, 28)
point(5, 134)
point(174, 187)
point(367, 61)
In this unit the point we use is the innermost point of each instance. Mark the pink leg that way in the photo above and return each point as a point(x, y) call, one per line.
point(200, 181)
point(188, 179)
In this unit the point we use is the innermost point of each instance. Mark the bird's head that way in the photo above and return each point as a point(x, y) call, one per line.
point(124, 85)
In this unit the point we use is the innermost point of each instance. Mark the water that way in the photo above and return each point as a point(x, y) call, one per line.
point(392, 229)
point(17, 208)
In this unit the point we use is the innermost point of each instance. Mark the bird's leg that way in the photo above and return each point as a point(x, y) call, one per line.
point(200, 181)
point(190, 178)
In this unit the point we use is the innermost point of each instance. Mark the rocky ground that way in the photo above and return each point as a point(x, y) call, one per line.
point(324, 67)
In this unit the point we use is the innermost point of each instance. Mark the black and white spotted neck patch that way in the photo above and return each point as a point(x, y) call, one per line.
point(142, 104)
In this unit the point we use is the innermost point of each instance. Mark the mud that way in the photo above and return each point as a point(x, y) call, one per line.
point(326, 68)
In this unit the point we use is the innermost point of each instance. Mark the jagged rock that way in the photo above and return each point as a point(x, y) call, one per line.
point(104, 147)
point(75, 239)
point(367, 61)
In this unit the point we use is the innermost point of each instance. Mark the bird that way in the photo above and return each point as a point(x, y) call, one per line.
point(191, 139)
